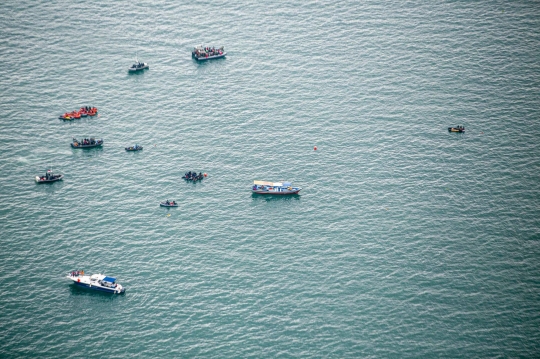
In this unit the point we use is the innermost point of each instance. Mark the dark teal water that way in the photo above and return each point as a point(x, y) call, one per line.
point(406, 240)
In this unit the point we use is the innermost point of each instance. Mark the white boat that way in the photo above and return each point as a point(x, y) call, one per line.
point(264, 187)
point(97, 282)
point(138, 66)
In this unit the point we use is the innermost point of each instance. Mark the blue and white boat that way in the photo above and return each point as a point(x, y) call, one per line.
point(97, 282)
point(264, 187)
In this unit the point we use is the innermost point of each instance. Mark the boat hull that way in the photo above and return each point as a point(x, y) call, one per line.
point(276, 192)
point(133, 149)
point(210, 57)
point(131, 69)
point(194, 179)
point(98, 288)
point(453, 129)
point(168, 205)
point(87, 146)
point(49, 180)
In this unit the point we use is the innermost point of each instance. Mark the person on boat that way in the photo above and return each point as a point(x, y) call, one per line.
point(167, 202)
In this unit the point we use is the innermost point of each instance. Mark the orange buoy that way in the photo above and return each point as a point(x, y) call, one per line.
point(315, 148)
point(205, 175)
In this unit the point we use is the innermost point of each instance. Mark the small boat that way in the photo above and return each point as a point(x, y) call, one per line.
point(88, 111)
point(49, 177)
point(201, 53)
point(193, 176)
point(138, 66)
point(97, 282)
point(456, 129)
point(66, 117)
point(264, 187)
point(87, 143)
point(134, 148)
point(169, 204)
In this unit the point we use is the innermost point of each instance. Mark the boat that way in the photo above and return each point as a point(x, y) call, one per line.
point(49, 177)
point(97, 282)
point(87, 143)
point(168, 204)
point(83, 112)
point(193, 176)
point(456, 129)
point(65, 117)
point(88, 111)
point(138, 66)
point(201, 53)
point(264, 187)
point(134, 148)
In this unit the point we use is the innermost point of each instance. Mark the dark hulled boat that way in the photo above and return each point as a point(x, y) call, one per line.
point(49, 177)
point(87, 143)
point(200, 53)
point(456, 129)
point(169, 204)
point(134, 148)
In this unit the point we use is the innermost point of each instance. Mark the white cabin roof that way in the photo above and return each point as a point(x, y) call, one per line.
point(266, 183)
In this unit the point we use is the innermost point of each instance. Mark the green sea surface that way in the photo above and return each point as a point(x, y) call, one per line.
point(406, 240)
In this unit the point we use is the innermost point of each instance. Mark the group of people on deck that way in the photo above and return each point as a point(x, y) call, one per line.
point(170, 203)
point(87, 141)
point(208, 51)
point(77, 273)
point(138, 65)
point(48, 176)
point(88, 109)
point(193, 176)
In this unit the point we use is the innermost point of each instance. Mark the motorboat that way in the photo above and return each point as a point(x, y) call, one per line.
point(97, 282)
point(87, 143)
point(138, 66)
point(264, 187)
point(201, 53)
point(456, 129)
point(168, 204)
point(49, 177)
point(134, 148)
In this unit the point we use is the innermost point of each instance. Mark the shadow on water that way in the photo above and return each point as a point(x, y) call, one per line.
point(136, 73)
point(275, 197)
point(49, 187)
point(88, 152)
point(84, 292)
